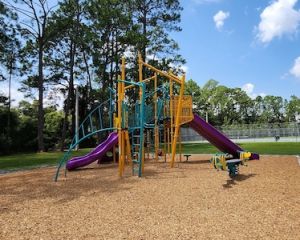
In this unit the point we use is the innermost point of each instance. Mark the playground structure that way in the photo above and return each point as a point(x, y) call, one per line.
point(146, 118)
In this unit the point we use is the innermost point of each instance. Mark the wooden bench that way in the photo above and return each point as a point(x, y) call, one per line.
point(187, 156)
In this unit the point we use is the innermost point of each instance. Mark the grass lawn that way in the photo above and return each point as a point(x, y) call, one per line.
point(31, 160)
point(272, 148)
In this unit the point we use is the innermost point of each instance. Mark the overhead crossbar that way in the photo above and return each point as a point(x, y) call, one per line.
point(162, 73)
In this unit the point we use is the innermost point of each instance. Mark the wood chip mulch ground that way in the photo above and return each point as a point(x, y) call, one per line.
point(190, 201)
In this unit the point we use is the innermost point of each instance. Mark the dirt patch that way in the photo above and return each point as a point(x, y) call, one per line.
point(190, 201)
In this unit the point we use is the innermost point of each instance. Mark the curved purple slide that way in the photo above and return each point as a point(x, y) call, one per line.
point(217, 138)
point(94, 155)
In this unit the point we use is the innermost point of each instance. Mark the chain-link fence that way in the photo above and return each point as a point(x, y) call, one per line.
point(281, 132)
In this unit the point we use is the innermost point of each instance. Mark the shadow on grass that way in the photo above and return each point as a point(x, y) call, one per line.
point(239, 178)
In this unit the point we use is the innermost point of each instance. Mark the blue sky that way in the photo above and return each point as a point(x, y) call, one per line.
point(250, 44)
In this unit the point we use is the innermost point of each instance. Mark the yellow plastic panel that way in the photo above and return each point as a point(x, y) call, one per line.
point(187, 108)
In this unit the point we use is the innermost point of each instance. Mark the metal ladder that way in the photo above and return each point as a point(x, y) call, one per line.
point(138, 138)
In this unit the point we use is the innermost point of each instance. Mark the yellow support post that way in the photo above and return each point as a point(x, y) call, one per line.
point(121, 132)
point(119, 124)
point(177, 123)
point(223, 162)
point(171, 112)
point(140, 62)
point(128, 148)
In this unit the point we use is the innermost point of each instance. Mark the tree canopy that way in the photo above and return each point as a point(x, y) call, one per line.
point(48, 49)
point(226, 106)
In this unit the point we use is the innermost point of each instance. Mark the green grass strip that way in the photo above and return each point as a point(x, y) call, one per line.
point(33, 160)
point(272, 148)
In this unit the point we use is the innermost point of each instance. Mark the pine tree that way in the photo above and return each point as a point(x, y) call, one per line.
point(156, 19)
point(34, 29)
point(68, 56)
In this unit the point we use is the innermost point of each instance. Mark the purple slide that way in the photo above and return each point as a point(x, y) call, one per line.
point(94, 155)
point(216, 138)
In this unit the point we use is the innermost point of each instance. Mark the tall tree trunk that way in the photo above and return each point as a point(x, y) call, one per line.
point(116, 58)
point(89, 79)
point(71, 87)
point(41, 102)
point(105, 65)
point(112, 44)
point(65, 123)
point(144, 22)
point(70, 100)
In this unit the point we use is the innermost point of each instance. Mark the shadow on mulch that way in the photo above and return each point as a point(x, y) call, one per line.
point(98, 166)
point(239, 178)
point(160, 174)
point(40, 185)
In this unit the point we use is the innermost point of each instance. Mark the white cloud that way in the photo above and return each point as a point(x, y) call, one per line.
point(249, 89)
point(220, 18)
point(295, 70)
point(184, 68)
point(278, 19)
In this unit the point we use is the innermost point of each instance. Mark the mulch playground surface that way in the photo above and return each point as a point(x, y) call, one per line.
point(190, 201)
